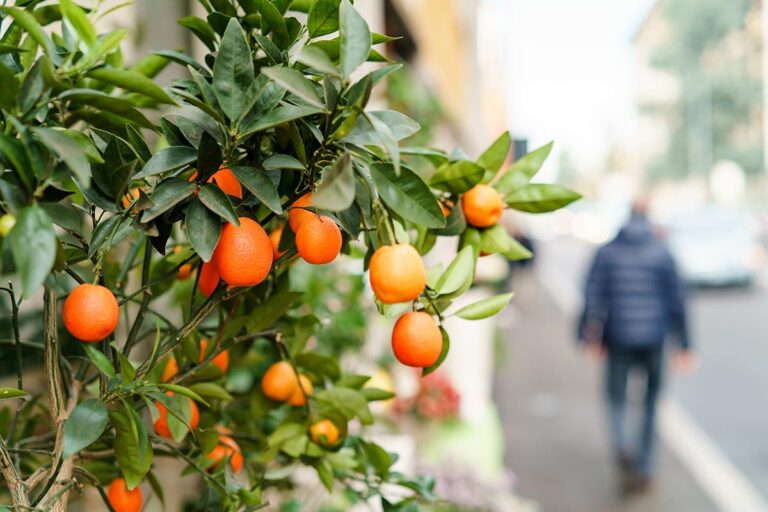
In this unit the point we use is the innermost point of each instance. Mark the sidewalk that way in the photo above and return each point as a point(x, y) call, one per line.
point(550, 400)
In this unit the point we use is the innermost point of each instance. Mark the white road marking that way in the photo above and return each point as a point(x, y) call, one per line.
point(717, 476)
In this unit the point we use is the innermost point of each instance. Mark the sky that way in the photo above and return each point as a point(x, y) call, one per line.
point(571, 74)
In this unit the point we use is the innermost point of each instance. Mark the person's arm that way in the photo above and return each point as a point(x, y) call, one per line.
point(676, 304)
point(593, 315)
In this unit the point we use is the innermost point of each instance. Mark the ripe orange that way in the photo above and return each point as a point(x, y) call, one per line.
point(324, 433)
point(416, 340)
point(221, 360)
point(397, 273)
point(244, 253)
point(185, 270)
point(209, 278)
point(90, 312)
point(275, 237)
point(318, 240)
point(227, 448)
point(297, 214)
point(445, 210)
point(170, 370)
point(302, 391)
point(123, 500)
point(130, 197)
point(226, 180)
point(161, 425)
point(279, 382)
point(482, 206)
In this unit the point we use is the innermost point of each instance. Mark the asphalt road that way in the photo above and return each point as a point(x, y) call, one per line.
point(727, 397)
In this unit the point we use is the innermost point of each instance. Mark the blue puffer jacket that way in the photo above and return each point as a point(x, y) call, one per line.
point(634, 297)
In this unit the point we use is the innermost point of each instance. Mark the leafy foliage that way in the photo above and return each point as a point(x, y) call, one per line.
point(94, 202)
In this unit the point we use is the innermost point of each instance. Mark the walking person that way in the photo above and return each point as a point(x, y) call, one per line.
point(633, 303)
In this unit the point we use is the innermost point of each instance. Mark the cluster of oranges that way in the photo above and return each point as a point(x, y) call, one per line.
point(282, 383)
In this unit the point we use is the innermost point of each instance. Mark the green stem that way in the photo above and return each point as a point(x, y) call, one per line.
point(139, 320)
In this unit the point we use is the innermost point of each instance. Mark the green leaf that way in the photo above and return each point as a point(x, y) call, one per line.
point(131, 81)
point(323, 18)
point(408, 196)
point(166, 195)
point(259, 184)
point(459, 274)
point(272, 21)
point(278, 116)
point(33, 245)
point(295, 82)
point(336, 191)
point(376, 394)
point(27, 21)
point(112, 229)
point(132, 447)
point(13, 152)
point(443, 353)
point(151, 65)
point(209, 156)
point(520, 173)
point(319, 364)
point(99, 360)
point(457, 177)
point(168, 159)
point(401, 125)
point(79, 21)
point(325, 473)
point(180, 58)
point(349, 402)
point(201, 29)
point(268, 312)
point(355, 40)
point(493, 157)
point(203, 229)
point(211, 390)
point(485, 308)
point(184, 391)
point(496, 239)
point(67, 150)
point(378, 457)
point(317, 59)
point(84, 426)
point(9, 393)
point(127, 371)
point(10, 87)
point(138, 144)
point(111, 104)
point(279, 162)
point(218, 202)
point(541, 198)
point(232, 71)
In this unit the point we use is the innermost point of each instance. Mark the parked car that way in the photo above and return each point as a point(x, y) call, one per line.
point(715, 246)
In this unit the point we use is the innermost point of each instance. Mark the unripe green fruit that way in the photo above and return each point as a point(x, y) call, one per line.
point(7, 222)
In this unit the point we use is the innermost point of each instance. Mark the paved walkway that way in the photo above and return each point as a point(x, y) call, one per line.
point(549, 396)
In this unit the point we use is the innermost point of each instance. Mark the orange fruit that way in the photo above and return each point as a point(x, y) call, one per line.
point(170, 370)
point(123, 500)
point(221, 360)
point(244, 253)
point(185, 270)
point(226, 180)
point(397, 273)
point(416, 340)
point(161, 425)
point(279, 382)
point(130, 197)
point(302, 391)
point(275, 237)
point(324, 433)
point(318, 240)
point(482, 206)
point(209, 278)
point(90, 312)
point(297, 213)
point(445, 210)
point(227, 448)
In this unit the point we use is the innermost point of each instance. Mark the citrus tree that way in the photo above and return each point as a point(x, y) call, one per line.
point(154, 253)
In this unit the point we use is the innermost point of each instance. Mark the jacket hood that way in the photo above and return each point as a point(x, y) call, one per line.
point(636, 231)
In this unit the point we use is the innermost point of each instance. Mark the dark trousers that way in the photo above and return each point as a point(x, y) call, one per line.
point(621, 362)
